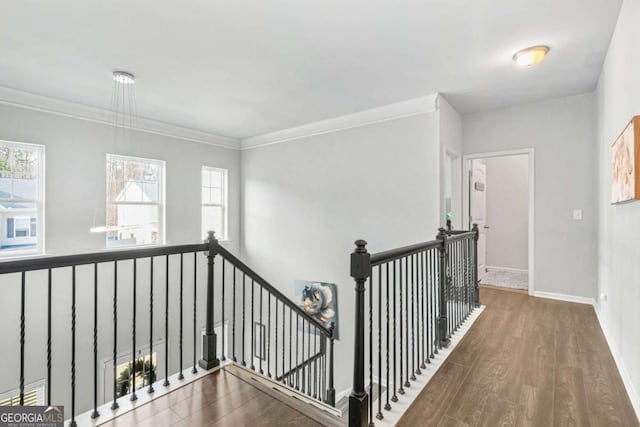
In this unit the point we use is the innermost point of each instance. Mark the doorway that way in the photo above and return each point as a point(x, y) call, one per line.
point(499, 197)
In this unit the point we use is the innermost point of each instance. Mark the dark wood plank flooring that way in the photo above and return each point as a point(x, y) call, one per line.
point(526, 362)
point(219, 399)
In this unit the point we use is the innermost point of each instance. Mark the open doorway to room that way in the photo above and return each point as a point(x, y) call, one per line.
point(499, 198)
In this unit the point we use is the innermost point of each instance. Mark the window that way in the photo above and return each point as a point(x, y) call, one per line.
point(21, 198)
point(135, 201)
point(214, 201)
point(33, 395)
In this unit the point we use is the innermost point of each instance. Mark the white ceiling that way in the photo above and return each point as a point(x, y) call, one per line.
point(244, 68)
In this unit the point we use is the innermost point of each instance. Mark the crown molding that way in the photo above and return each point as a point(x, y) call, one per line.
point(411, 107)
point(30, 101)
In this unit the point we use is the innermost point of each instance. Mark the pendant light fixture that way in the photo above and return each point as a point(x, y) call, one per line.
point(124, 119)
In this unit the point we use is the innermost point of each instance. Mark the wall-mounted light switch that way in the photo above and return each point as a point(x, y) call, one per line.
point(577, 214)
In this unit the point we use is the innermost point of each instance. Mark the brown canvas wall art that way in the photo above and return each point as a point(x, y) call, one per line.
point(625, 164)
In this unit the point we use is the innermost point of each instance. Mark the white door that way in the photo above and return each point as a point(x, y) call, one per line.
point(478, 197)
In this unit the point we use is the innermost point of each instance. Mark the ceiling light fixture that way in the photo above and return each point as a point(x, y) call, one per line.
point(124, 77)
point(531, 56)
point(123, 106)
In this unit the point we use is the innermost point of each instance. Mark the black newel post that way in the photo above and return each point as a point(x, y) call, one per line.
point(358, 399)
point(331, 392)
point(209, 358)
point(443, 333)
point(476, 288)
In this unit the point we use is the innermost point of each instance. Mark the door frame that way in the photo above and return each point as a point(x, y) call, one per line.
point(530, 152)
point(446, 150)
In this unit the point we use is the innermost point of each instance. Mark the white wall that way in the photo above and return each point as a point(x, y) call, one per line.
point(450, 135)
point(562, 132)
point(75, 192)
point(619, 225)
point(507, 211)
point(307, 201)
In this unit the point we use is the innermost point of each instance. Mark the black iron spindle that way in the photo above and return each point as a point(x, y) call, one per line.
point(73, 347)
point(195, 298)
point(269, 334)
point(253, 327)
point(22, 334)
point(406, 314)
point(379, 414)
point(181, 375)
point(223, 303)
point(387, 405)
point(115, 405)
point(394, 398)
point(134, 397)
point(166, 323)
point(233, 325)
point(262, 343)
point(49, 283)
point(150, 389)
point(401, 360)
point(413, 318)
point(244, 304)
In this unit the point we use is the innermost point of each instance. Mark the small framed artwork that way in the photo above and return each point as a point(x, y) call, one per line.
point(625, 164)
point(320, 301)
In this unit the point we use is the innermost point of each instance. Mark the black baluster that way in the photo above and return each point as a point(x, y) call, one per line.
point(435, 274)
point(331, 392)
point(95, 413)
point(262, 346)
point(413, 319)
point(275, 353)
point(49, 338)
point(223, 303)
point(73, 347)
point(269, 334)
point(283, 340)
point(309, 360)
point(387, 406)
point(195, 297)
point(181, 375)
point(401, 389)
point(22, 334)
point(425, 307)
point(297, 342)
point(315, 352)
point(134, 397)
point(379, 414)
point(406, 313)
point(301, 367)
point(150, 389)
point(253, 329)
point(166, 323)
point(289, 374)
point(115, 405)
point(371, 347)
point(233, 325)
point(394, 398)
point(443, 318)
point(244, 336)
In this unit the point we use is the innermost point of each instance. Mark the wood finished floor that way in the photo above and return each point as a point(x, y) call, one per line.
point(526, 362)
point(219, 399)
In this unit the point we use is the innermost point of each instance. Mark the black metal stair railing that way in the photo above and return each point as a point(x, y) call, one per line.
point(418, 296)
point(287, 344)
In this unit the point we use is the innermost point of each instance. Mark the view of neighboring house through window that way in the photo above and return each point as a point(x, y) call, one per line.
point(21, 198)
point(214, 201)
point(135, 201)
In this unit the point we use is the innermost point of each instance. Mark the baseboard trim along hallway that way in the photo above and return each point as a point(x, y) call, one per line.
point(567, 298)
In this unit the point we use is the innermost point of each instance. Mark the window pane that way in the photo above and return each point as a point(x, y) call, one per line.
point(206, 178)
point(206, 195)
point(216, 196)
point(212, 220)
point(216, 178)
point(132, 225)
point(5, 173)
point(150, 191)
point(25, 189)
point(18, 222)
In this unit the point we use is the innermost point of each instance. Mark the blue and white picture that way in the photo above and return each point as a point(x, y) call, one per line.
point(320, 301)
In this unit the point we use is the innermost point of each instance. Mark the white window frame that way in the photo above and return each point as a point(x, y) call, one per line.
point(161, 200)
point(224, 235)
point(40, 202)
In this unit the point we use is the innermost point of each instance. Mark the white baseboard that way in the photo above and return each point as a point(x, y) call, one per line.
point(513, 270)
point(626, 379)
point(567, 298)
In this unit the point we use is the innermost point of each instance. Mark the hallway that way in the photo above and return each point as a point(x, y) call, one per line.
point(527, 362)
